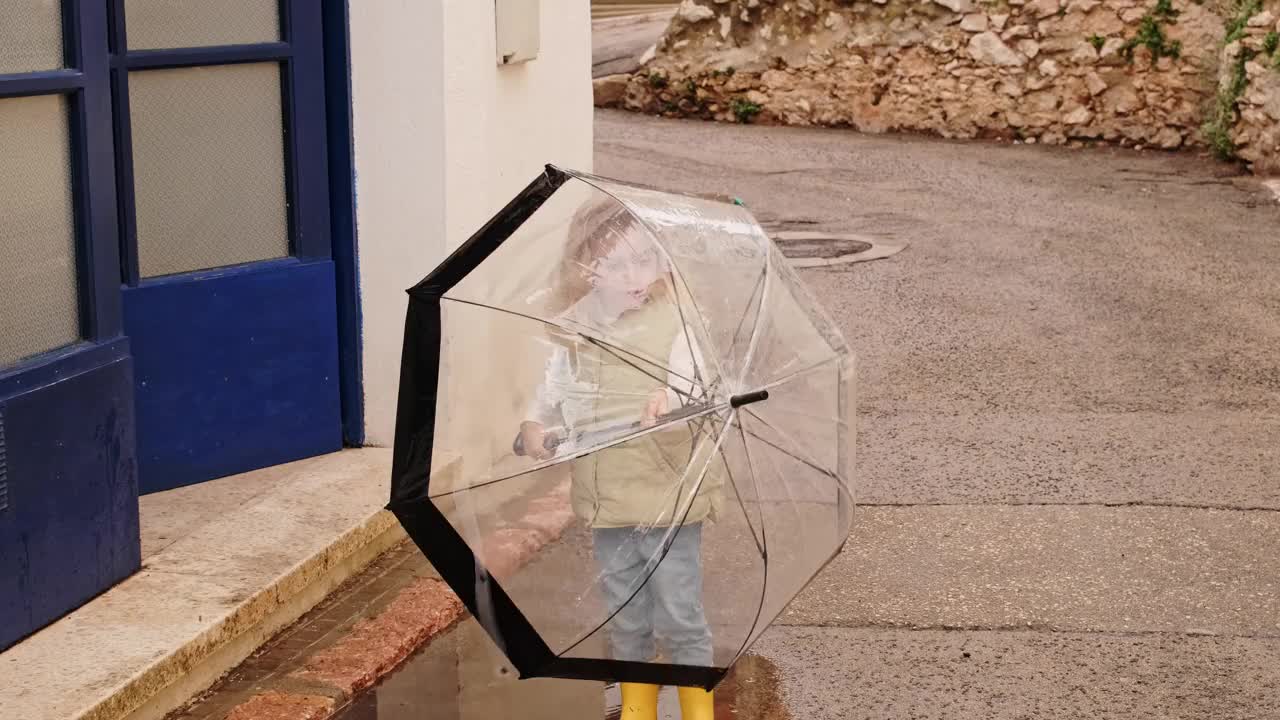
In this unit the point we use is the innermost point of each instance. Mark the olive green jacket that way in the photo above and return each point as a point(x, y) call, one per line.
point(647, 481)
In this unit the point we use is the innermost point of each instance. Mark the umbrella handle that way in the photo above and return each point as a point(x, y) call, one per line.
point(550, 441)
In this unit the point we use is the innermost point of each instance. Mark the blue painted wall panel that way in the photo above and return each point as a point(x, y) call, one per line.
point(235, 370)
point(70, 530)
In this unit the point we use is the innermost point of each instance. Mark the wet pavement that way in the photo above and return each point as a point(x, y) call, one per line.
point(1069, 410)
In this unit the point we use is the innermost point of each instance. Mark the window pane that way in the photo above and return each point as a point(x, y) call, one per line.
point(30, 35)
point(156, 24)
point(208, 167)
point(39, 308)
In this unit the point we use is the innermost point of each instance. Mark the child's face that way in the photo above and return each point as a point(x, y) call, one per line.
point(626, 272)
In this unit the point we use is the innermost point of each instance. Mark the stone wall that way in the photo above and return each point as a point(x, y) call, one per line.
point(1134, 72)
point(1253, 61)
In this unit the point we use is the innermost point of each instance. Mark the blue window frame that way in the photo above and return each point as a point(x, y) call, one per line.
point(184, 343)
point(306, 172)
point(84, 82)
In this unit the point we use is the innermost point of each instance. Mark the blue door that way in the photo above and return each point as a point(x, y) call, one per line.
point(229, 289)
point(68, 490)
point(167, 289)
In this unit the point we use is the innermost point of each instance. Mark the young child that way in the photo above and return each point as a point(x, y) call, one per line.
point(616, 282)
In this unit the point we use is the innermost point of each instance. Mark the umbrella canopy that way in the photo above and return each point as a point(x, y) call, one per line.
point(624, 431)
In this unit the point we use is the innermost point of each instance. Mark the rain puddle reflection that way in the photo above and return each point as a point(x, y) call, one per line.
point(461, 675)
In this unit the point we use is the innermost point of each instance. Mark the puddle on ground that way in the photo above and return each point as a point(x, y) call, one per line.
point(752, 690)
point(461, 675)
point(818, 245)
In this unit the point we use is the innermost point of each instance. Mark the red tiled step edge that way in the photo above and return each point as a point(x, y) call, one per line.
point(283, 706)
point(420, 612)
point(376, 646)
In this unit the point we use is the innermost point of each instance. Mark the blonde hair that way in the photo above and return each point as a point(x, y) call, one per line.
point(594, 231)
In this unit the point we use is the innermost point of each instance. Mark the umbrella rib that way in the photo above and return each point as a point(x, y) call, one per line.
point(675, 509)
point(804, 461)
point(628, 437)
point(688, 342)
point(808, 416)
point(746, 310)
point(754, 340)
point(696, 380)
point(759, 540)
point(575, 331)
point(672, 531)
point(639, 369)
point(777, 472)
point(819, 319)
point(810, 464)
point(787, 438)
point(819, 365)
point(653, 235)
point(764, 550)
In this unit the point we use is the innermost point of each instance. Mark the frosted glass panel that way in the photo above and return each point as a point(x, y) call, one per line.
point(208, 167)
point(156, 24)
point(39, 307)
point(30, 35)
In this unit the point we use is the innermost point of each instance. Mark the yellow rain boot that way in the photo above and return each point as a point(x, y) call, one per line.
point(696, 704)
point(639, 701)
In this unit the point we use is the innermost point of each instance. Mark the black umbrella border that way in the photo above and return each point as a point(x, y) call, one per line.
point(427, 526)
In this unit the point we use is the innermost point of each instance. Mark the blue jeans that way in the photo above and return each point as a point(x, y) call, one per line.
point(668, 607)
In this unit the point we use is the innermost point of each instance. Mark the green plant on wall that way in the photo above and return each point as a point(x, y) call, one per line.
point(1097, 41)
point(1271, 43)
point(1151, 33)
point(657, 80)
point(1239, 20)
point(744, 110)
point(1164, 10)
point(1222, 117)
point(691, 87)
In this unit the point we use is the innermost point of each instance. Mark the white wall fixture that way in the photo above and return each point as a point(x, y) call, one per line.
point(517, 27)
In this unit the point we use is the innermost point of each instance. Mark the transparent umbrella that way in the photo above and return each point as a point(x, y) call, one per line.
point(624, 431)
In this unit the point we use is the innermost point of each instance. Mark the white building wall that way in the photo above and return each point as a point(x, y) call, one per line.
point(444, 137)
point(504, 124)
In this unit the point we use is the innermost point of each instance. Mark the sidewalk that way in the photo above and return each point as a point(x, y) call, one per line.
point(226, 565)
point(323, 666)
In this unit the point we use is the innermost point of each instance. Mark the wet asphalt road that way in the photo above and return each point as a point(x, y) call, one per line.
point(1069, 422)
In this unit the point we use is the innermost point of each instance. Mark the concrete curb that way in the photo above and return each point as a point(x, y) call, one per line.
point(231, 573)
point(419, 613)
point(192, 668)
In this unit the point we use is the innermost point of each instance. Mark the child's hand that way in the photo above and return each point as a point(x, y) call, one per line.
point(534, 436)
point(657, 407)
